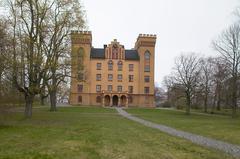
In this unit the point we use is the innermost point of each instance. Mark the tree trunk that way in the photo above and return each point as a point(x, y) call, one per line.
point(42, 98)
point(53, 92)
point(188, 106)
point(28, 105)
point(218, 104)
point(42, 101)
point(234, 113)
point(53, 100)
point(1, 92)
point(205, 103)
point(214, 103)
point(234, 97)
point(234, 104)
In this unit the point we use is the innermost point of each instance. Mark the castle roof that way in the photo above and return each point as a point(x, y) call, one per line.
point(99, 53)
point(131, 55)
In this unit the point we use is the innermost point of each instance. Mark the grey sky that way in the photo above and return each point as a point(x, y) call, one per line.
point(180, 25)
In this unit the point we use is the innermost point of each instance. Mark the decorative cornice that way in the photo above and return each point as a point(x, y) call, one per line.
point(80, 41)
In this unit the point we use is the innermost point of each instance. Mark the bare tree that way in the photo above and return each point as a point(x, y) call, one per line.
point(28, 62)
point(168, 82)
point(220, 75)
point(6, 87)
point(64, 16)
point(40, 30)
point(206, 79)
point(63, 93)
point(187, 72)
point(4, 42)
point(228, 45)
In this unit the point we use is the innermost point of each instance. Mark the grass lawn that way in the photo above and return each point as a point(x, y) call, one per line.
point(91, 133)
point(220, 127)
point(223, 111)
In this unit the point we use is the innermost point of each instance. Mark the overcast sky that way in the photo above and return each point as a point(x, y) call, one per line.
point(180, 25)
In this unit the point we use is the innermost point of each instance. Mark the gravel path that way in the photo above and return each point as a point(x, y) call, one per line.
point(200, 140)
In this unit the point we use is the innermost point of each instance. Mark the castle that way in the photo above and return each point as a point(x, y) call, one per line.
point(112, 75)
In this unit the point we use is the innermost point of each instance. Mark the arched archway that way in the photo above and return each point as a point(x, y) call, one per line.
point(123, 100)
point(107, 100)
point(115, 100)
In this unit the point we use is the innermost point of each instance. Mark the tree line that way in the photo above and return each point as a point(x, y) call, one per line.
point(210, 82)
point(35, 48)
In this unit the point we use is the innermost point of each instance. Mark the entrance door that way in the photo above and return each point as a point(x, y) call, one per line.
point(115, 100)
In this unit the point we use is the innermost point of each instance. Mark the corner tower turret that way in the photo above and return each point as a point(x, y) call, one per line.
point(145, 45)
point(81, 42)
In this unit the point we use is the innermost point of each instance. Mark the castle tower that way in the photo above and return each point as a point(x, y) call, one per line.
point(145, 45)
point(81, 42)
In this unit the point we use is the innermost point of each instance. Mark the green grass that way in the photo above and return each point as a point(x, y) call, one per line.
point(220, 127)
point(223, 111)
point(90, 133)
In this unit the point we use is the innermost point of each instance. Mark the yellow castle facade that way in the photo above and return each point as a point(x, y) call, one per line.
point(112, 75)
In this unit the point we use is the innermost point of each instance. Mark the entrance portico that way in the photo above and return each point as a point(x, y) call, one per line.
point(118, 99)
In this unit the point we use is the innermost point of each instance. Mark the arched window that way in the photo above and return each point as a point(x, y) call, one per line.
point(147, 61)
point(80, 66)
point(80, 56)
point(110, 65)
point(147, 55)
point(120, 65)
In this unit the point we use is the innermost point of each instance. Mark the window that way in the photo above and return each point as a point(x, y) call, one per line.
point(130, 78)
point(130, 99)
point(146, 90)
point(119, 77)
point(98, 99)
point(110, 77)
point(79, 99)
point(80, 56)
point(147, 61)
point(130, 89)
point(119, 88)
point(146, 79)
point(109, 87)
point(130, 67)
point(98, 77)
point(99, 66)
point(120, 66)
point(110, 65)
point(80, 88)
point(146, 68)
point(147, 55)
point(98, 88)
point(80, 76)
